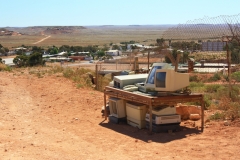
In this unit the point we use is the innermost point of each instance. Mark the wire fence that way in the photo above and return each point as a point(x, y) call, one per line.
point(207, 28)
point(208, 32)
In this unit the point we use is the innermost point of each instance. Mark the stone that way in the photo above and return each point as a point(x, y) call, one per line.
point(192, 109)
point(226, 123)
point(183, 111)
point(194, 117)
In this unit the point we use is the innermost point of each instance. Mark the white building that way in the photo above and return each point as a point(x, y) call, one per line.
point(114, 53)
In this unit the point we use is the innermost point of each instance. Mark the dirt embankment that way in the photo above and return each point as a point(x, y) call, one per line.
point(49, 118)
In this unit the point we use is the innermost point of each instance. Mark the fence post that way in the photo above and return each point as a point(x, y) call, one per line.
point(148, 62)
point(136, 65)
point(96, 71)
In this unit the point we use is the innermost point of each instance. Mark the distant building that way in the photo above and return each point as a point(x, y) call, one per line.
point(140, 46)
point(20, 48)
point(62, 53)
point(114, 53)
point(213, 46)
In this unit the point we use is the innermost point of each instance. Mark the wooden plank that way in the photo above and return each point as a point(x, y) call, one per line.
point(118, 93)
point(127, 95)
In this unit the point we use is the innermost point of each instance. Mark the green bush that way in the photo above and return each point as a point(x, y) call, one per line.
point(215, 77)
point(235, 92)
point(217, 116)
point(212, 88)
point(236, 76)
point(196, 87)
point(32, 60)
point(207, 100)
point(194, 78)
point(196, 84)
point(222, 91)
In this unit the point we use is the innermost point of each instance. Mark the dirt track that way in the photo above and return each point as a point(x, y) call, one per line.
point(42, 40)
point(48, 118)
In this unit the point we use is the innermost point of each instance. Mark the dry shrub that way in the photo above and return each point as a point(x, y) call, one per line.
point(83, 77)
point(231, 110)
point(4, 67)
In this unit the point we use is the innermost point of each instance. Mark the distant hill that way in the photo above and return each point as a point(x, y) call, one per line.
point(63, 30)
point(6, 32)
point(39, 30)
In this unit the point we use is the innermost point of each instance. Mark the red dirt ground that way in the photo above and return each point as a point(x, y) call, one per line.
point(49, 118)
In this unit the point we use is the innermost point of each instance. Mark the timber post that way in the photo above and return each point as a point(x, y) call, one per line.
point(202, 114)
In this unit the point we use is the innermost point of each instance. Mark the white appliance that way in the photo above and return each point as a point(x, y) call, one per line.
point(164, 110)
point(164, 79)
point(117, 107)
point(164, 119)
point(124, 80)
point(136, 113)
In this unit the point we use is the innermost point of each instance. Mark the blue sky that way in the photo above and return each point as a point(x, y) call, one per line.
point(22, 13)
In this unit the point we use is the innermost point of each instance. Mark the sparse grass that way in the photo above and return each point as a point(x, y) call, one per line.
point(215, 77)
point(231, 110)
point(197, 87)
point(80, 76)
point(212, 88)
point(79, 86)
point(216, 56)
point(4, 67)
point(216, 116)
point(207, 100)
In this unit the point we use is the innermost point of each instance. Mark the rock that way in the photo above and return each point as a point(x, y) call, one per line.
point(183, 111)
point(226, 123)
point(192, 109)
point(194, 117)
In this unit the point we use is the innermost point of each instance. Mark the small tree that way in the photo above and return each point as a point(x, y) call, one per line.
point(115, 47)
point(100, 53)
point(20, 60)
point(34, 59)
point(160, 42)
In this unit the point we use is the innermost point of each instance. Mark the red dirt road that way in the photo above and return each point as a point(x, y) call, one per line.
point(49, 118)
